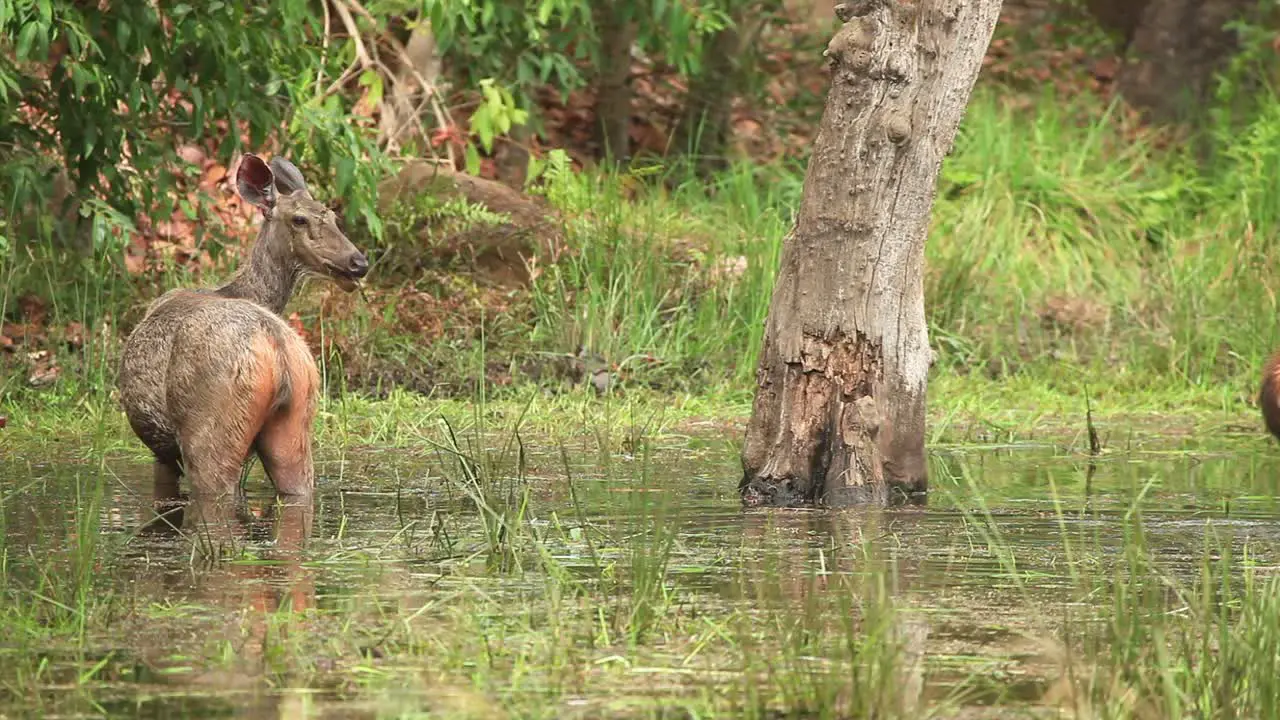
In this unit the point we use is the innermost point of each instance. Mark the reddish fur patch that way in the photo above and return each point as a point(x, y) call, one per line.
point(1269, 398)
point(263, 388)
point(285, 440)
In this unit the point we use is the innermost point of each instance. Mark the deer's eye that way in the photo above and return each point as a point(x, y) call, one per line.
point(299, 220)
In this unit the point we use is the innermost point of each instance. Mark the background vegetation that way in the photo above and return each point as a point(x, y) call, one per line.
point(625, 227)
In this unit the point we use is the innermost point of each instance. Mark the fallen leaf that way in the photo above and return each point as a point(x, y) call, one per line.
point(191, 154)
point(295, 322)
point(134, 264)
point(45, 368)
point(213, 175)
point(33, 309)
point(75, 334)
point(3, 421)
point(1106, 69)
point(748, 128)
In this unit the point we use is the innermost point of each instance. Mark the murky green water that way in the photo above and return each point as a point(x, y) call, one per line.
point(391, 598)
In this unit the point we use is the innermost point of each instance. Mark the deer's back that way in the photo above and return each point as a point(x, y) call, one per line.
point(196, 353)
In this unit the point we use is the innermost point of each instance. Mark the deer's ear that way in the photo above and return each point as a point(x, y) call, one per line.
point(256, 183)
point(288, 177)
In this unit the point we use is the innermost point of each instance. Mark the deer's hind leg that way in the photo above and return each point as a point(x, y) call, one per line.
point(284, 444)
point(165, 476)
point(224, 415)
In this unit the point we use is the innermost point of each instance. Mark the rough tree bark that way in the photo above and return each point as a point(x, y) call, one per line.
point(839, 407)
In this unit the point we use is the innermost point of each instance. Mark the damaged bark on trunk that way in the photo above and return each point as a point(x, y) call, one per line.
point(839, 408)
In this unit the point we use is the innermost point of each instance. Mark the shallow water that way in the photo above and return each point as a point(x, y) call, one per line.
point(387, 598)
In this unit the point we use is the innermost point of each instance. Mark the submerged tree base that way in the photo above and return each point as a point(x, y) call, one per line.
point(816, 429)
point(839, 409)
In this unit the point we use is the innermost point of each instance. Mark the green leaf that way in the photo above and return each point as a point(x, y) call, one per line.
point(26, 39)
point(473, 159)
point(346, 170)
point(124, 31)
point(90, 138)
point(482, 125)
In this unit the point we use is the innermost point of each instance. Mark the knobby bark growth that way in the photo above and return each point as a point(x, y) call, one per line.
point(839, 408)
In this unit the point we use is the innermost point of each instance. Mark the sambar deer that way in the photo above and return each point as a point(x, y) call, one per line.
point(1269, 396)
point(210, 376)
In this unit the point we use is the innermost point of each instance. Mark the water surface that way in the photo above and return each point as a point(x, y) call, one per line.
point(393, 595)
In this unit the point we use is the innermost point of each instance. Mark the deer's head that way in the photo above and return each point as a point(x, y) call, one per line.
point(298, 222)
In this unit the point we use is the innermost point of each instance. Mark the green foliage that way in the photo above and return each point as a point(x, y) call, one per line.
point(519, 43)
point(522, 44)
point(108, 90)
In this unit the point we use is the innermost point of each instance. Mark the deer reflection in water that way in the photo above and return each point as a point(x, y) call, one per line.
point(249, 563)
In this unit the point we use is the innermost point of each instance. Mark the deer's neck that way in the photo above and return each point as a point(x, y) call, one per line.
point(269, 277)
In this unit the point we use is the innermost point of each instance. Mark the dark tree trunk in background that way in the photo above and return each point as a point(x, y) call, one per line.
point(613, 86)
point(1118, 16)
point(512, 157)
point(705, 125)
point(727, 58)
point(1174, 49)
point(839, 409)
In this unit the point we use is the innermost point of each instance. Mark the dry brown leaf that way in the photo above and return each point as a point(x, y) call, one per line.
point(44, 370)
point(75, 334)
point(134, 264)
point(191, 154)
point(213, 175)
point(177, 231)
point(33, 309)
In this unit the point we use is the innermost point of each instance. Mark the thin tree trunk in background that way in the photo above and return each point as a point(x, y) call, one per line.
point(613, 88)
point(512, 157)
point(1175, 47)
point(840, 400)
point(1118, 16)
point(705, 126)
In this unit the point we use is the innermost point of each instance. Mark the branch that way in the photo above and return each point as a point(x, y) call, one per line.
point(401, 90)
point(362, 53)
point(324, 48)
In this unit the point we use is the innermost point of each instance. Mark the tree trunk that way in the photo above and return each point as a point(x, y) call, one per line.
point(1175, 47)
point(704, 129)
point(839, 407)
point(613, 87)
point(705, 124)
point(1118, 16)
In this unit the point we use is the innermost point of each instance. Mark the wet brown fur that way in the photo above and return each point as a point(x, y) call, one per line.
point(211, 376)
point(1269, 398)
